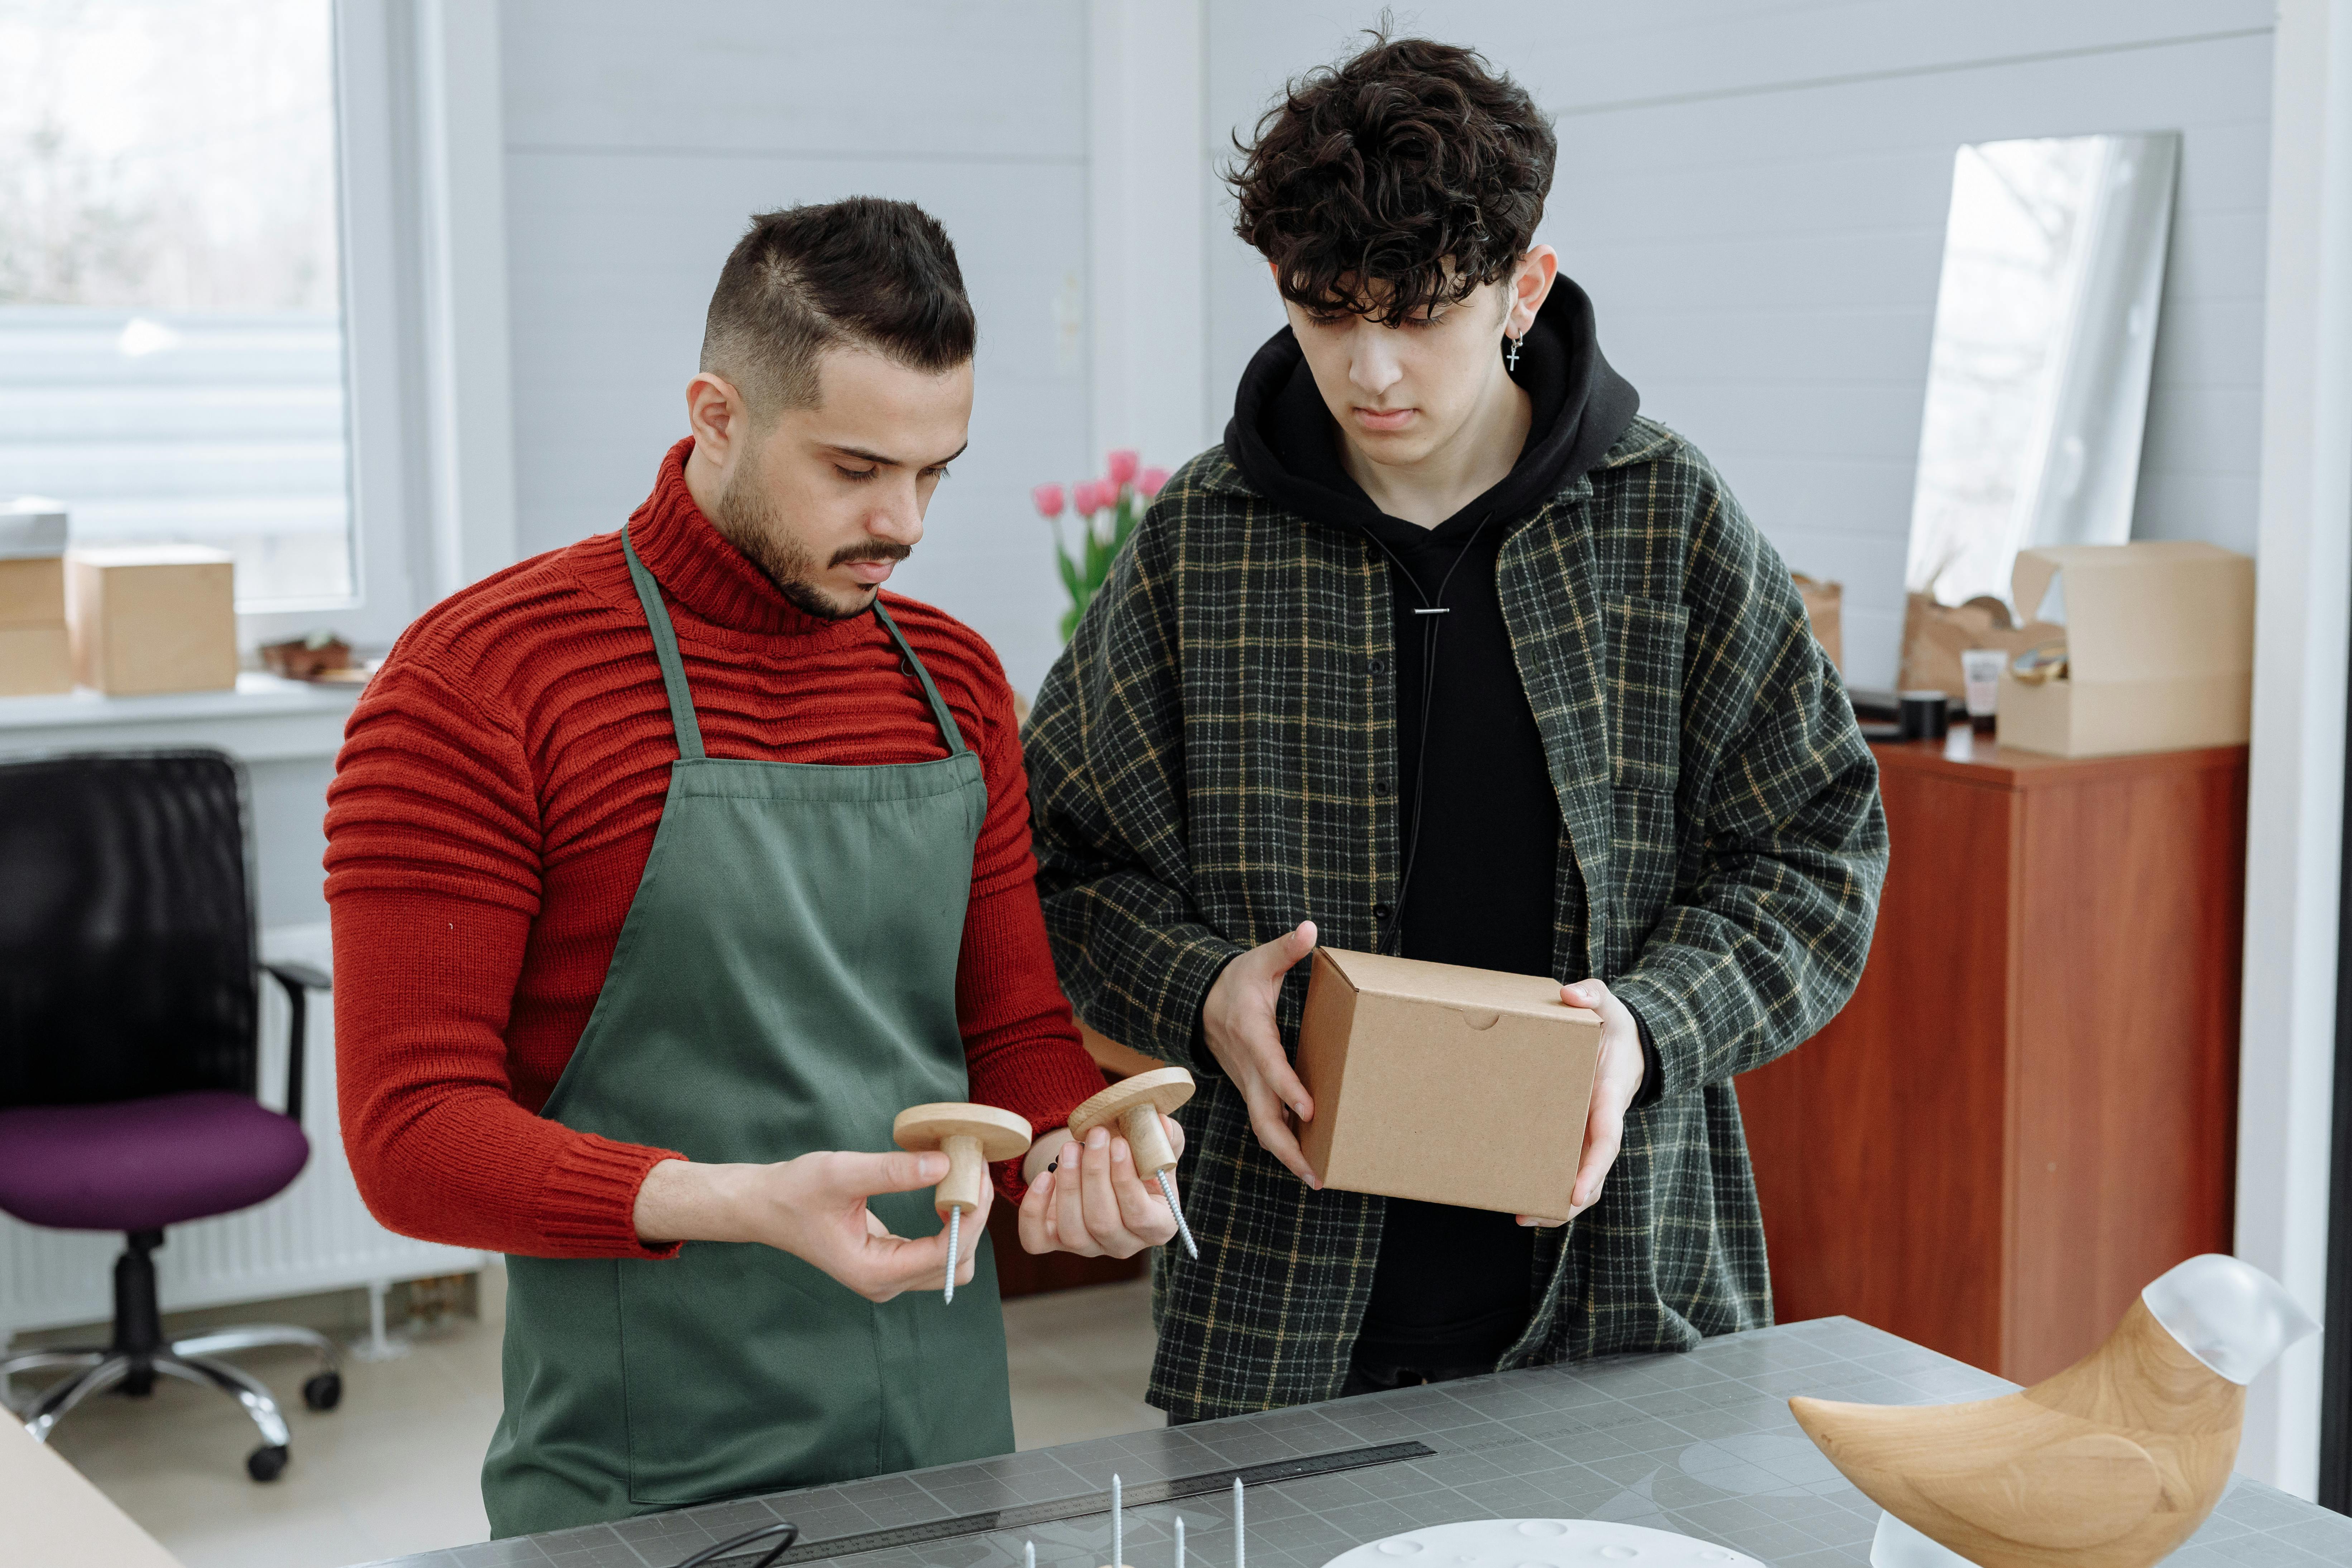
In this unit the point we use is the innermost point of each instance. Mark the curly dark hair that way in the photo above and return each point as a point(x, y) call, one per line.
point(1412, 165)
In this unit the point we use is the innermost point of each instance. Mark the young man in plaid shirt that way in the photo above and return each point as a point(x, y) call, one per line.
point(1447, 652)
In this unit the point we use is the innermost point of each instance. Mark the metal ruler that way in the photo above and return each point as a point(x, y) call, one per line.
point(1141, 1495)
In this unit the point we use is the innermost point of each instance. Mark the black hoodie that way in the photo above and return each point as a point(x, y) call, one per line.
point(1480, 825)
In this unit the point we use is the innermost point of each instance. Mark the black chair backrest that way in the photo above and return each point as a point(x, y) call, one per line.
point(126, 931)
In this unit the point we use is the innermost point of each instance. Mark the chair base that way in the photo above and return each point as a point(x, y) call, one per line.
point(140, 1355)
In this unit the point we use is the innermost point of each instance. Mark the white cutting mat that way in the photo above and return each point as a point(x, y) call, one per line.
point(1539, 1544)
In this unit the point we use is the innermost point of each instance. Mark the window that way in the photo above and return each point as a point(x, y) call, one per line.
point(172, 343)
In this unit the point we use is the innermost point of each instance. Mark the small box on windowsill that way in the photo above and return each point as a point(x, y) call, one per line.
point(36, 654)
point(1447, 1084)
point(152, 618)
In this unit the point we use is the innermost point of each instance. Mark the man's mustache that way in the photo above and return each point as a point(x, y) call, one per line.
point(873, 550)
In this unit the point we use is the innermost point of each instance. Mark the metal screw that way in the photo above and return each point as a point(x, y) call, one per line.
point(1118, 1529)
point(1240, 1546)
point(1168, 1191)
point(955, 1245)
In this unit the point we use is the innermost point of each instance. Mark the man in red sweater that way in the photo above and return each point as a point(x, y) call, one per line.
point(665, 869)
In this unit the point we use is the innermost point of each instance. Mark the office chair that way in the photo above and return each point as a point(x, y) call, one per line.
point(129, 1056)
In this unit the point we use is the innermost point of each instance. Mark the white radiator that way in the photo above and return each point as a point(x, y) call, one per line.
point(315, 1236)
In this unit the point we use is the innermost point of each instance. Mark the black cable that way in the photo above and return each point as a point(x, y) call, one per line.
point(790, 1533)
point(1434, 611)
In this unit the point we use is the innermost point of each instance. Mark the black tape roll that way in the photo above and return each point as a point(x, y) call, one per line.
point(1925, 715)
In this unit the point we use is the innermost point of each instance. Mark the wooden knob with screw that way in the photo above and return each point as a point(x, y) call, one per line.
point(1133, 1106)
point(972, 1136)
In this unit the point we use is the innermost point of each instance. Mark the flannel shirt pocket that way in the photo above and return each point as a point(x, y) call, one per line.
point(1645, 690)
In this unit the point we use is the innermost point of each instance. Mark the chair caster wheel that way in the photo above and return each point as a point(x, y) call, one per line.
point(324, 1390)
point(267, 1463)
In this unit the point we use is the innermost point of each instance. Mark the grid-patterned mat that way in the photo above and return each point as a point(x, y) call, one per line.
point(1702, 1444)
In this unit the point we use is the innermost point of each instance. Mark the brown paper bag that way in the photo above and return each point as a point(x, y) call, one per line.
point(1822, 604)
point(1935, 636)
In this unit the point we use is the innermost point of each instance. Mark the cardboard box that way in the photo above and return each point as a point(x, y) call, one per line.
point(152, 618)
point(35, 661)
point(35, 654)
point(2159, 650)
point(1446, 1084)
point(32, 591)
point(1825, 608)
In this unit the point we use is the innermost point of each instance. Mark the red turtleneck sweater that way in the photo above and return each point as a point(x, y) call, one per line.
point(492, 811)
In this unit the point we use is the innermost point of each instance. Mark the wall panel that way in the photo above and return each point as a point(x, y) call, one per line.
point(1753, 190)
point(639, 141)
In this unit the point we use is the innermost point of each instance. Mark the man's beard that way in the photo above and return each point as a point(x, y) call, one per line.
point(749, 519)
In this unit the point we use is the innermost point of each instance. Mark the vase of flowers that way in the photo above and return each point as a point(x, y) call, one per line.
point(1107, 509)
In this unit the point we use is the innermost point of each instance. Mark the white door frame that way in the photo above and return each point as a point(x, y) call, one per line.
point(2294, 829)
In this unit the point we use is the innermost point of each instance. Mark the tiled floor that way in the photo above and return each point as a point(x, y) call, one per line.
point(396, 1468)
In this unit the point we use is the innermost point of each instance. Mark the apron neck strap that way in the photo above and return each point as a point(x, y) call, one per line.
point(949, 734)
point(673, 669)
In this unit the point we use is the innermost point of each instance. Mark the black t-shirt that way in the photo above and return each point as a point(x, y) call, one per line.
point(1476, 812)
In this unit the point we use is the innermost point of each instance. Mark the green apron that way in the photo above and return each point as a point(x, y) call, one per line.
point(784, 983)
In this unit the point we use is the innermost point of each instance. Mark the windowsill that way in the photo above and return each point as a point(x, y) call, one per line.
point(265, 718)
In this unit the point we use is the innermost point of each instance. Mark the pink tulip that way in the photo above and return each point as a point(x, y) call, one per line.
point(1084, 499)
point(1150, 481)
point(1049, 500)
point(1123, 468)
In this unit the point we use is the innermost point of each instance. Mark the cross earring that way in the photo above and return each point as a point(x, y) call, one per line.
point(1511, 352)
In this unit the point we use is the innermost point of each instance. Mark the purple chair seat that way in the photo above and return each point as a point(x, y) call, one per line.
point(142, 1164)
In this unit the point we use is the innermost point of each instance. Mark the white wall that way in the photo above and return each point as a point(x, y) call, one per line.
point(1148, 223)
point(1753, 192)
point(640, 139)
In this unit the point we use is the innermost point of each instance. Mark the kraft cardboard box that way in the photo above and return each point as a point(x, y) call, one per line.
point(33, 591)
point(152, 618)
point(1446, 1084)
point(1825, 608)
point(35, 661)
point(36, 657)
point(2159, 650)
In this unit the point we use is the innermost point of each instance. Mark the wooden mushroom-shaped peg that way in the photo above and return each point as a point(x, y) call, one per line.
point(2110, 1464)
point(1132, 1108)
point(972, 1136)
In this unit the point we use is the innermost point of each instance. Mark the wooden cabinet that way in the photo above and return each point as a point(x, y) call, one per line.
point(2029, 1109)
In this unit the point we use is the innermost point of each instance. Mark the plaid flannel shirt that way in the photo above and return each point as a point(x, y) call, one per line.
point(1211, 763)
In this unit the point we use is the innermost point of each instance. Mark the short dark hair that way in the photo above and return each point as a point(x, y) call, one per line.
point(863, 272)
point(1389, 166)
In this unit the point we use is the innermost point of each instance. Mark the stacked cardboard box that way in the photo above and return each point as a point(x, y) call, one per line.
point(35, 651)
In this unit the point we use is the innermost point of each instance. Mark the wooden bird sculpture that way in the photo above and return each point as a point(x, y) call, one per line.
point(2110, 1464)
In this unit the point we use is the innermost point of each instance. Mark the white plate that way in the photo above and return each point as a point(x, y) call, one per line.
point(1539, 1544)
